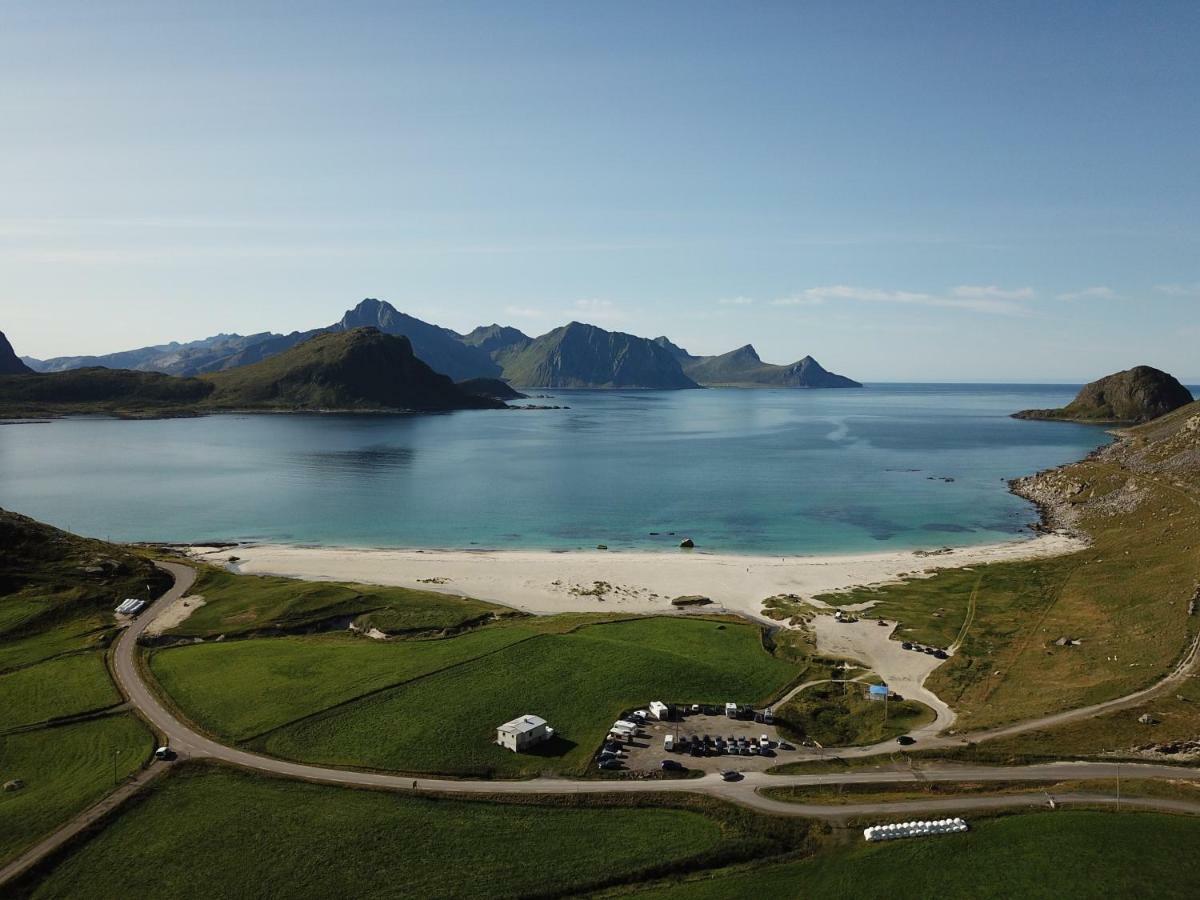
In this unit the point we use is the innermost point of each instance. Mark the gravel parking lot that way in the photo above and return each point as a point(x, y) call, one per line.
point(646, 752)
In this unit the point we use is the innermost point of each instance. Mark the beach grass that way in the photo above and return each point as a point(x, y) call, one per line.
point(245, 604)
point(1122, 603)
point(1066, 854)
point(579, 681)
point(64, 769)
point(211, 832)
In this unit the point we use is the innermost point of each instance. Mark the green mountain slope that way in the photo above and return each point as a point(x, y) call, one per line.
point(578, 355)
point(360, 369)
point(1123, 398)
point(357, 369)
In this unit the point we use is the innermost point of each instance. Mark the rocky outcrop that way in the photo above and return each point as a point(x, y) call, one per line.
point(1131, 397)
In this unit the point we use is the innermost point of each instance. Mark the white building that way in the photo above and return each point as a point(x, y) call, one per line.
point(523, 732)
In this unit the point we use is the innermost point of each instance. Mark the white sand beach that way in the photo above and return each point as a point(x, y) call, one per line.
point(545, 582)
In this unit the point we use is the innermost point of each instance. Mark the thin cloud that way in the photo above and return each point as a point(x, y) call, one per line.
point(523, 312)
point(736, 301)
point(1179, 290)
point(971, 298)
point(1100, 292)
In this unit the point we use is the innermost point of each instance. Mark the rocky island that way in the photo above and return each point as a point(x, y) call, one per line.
point(1124, 398)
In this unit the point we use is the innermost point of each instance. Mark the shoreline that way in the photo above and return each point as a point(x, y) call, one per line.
point(546, 582)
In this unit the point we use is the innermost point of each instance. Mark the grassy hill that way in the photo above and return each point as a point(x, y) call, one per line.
point(1136, 395)
point(1122, 602)
point(361, 369)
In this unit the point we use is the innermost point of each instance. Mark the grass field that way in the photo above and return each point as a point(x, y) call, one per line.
point(1124, 599)
point(242, 688)
point(244, 604)
point(62, 686)
point(579, 681)
point(834, 715)
point(65, 769)
point(1068, 855)
point(219, 833)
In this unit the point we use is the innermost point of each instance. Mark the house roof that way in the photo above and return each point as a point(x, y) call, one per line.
point(522, 724)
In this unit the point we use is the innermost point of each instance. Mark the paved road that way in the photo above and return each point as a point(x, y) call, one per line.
point(190, 744)
point(187, 742)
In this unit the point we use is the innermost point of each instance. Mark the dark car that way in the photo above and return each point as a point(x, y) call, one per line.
point(731, 775)
point(941, 654)
point(612, 746)
point(745, 751)
point(905, 740)
point(784, 745)
point(907, 645)
point(610, 764)
point(672, 765)
point(166, 754)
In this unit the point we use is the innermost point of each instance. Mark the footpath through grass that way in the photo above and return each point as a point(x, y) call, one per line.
point(579, 681)
point(207, 833)
point(1068, 855)
point(64, 769)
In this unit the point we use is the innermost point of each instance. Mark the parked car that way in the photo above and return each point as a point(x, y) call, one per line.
point(941, 654)
point(731, 775)
point(764, 741)
point(612, 746)
point(907, 645)
point(610, 764)
point(905, 740)
point(784, 745)
point(672, 765)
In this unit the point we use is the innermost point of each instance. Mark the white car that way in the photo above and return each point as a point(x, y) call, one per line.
point(764, 742)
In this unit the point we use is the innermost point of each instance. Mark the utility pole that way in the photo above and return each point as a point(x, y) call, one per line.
point(1118, 787)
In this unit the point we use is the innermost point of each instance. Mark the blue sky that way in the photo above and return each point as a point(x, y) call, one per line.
point(907, 191)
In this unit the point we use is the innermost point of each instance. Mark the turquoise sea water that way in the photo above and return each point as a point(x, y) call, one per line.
point(759, 471)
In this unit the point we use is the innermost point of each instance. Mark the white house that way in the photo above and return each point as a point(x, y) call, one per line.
point(523, 732)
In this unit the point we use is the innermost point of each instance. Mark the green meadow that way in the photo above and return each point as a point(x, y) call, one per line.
point(1066, 855)
point(219, 833)
point(58, 687)
point(65, 769)
point(842, 716)
point(239, 689)
point(433, 706)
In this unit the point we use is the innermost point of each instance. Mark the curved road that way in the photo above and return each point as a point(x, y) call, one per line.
point(187, 742)
point(745, 792)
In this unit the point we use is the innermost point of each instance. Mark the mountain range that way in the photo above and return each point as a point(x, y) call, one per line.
point(360, 369)
point(744, 368)
point(10, 363)
point(575, 355)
